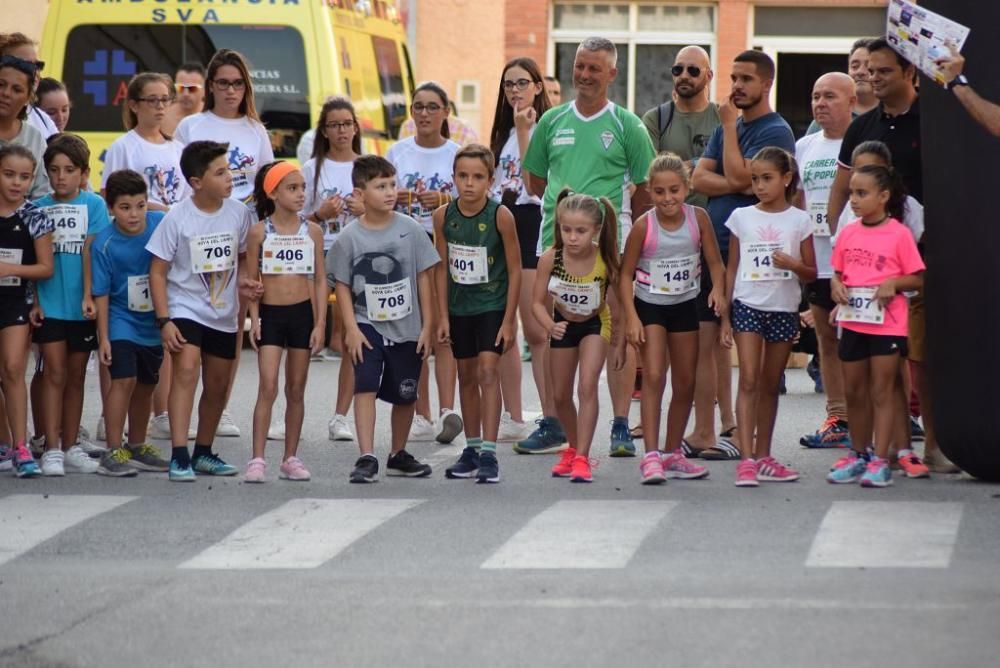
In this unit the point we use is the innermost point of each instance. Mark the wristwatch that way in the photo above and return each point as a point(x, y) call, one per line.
point(160, 322)
point(960, 80)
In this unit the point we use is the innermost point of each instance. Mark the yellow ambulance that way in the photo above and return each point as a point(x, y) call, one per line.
point(300, 52)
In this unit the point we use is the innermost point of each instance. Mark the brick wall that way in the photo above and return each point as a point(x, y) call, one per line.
point(526, 28)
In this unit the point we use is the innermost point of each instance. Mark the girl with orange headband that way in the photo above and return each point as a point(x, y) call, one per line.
point(288, 252)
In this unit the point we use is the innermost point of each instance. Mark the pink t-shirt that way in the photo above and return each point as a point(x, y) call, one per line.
point(867, 257)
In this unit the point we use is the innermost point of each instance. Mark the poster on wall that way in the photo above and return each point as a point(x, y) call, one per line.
point(922, 36)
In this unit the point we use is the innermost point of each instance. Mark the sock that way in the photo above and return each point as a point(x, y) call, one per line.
point(181, 456)
point(621, 419)
point(474, 442)
point(904, 452)
point(202, 450)
point(489, 446)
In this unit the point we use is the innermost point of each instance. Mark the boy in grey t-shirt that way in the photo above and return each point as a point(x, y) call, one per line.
point(380, 268)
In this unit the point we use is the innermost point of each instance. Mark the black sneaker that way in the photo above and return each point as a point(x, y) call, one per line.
point(365, 469)
point(489, 467)
point(466, 466)
point(404, 464)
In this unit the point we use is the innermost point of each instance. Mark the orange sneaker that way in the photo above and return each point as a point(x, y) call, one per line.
point(581, 470)
point(565, 465)
point(912, 466)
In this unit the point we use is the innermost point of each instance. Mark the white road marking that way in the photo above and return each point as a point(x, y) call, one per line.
point(886, 534)
point(678, 603)
point(581, 534)
point(303, 533)
point(27, 520)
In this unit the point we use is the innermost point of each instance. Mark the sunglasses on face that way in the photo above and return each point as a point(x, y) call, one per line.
point(692, 70)
point(187, 88)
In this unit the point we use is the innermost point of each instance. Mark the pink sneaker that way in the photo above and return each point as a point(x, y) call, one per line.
point(564, 467)
point(746, 473)
point(256, 468)
point(770, 469)
point(676, 465)
point(651, 469)
point(293, 469)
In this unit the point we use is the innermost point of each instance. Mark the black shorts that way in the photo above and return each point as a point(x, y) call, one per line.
point(13, 312)
point(818, 294)
point(474, 334)
point(391, 370)
point(132, 360)
point(705, 312)
point(528, 219)
point(680, 317)
point(80, 335)
point(211, 341)
point(578, 331)
point(287, 326)
point(855, 346)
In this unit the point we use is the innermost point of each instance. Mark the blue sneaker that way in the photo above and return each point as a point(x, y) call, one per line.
point(877, 474)
point(212, 465)
point(833, 434)
point(916, 431)
point(180, 473)
point(489, 467)
point(23, 463)
point(621, 440)
point(546, 439)
point(848, 469)
point(466, 466)
point(812, 368)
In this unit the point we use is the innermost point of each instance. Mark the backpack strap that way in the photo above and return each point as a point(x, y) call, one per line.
point(667, 107)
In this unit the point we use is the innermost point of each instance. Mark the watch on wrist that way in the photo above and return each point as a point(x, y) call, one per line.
point(160, 322)
point(960, 80)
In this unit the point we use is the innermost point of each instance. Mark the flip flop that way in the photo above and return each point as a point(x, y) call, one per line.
point(690, 451)
point(723, 450)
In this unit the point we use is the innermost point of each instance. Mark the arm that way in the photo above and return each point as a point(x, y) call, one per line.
point(320, 292)
point(440, 277)
point(512, 255)
point(726, 335)
point(735, 166)
point(254, 240)
point(43, 267)
point(641, 202)
point(539, 294)
point(88, 308)
point(426, 292)
point(354, 339)
point(804, 269)
point(706, 181)
point(103, 343)
point(634, 331)
point(982, 111)
point(717, 299)
point(169, 334)
point(839, 192)
point(535, 184)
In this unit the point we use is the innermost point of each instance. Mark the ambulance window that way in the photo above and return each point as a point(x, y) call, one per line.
point(390, 76)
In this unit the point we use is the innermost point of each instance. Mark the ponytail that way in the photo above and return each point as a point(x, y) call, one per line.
point(262, 204)
point(888, 179)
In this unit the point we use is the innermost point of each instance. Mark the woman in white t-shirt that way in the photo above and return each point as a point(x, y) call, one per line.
point(230, 116)
point(145, 148)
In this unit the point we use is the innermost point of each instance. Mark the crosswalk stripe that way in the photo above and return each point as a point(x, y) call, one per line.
point(302, 533)
point(581, 534)
point(27, 520)
point(884, 534)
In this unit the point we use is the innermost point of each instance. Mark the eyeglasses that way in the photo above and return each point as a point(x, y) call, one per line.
point(187, 88)
point(338, 126)
point(693, 70)
point(520, 84)
point(156, 101)
point(225, 84)
point(426, 108)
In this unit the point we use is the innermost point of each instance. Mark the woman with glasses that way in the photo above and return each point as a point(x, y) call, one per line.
point(21, 46)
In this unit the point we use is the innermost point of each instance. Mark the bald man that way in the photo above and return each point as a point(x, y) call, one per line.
point(833, 98)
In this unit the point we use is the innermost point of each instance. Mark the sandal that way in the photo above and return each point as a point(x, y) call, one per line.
point(690, 451)
point(723, 450)
point(636, 431)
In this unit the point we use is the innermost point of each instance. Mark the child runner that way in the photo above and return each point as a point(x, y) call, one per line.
point(477, 293)
point(25, 255)
point(770, 247)
point(197, 277)
point(575, 274)
point(873, 314)
point(380, 267)
point(423, 165)
point(288, 252)
point(64, 317)
point(663, 251)
point(129, 342)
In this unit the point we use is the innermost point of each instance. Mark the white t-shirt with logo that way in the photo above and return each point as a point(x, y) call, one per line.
point(421, 169)
point(159, 165)
point(191, 239)
point(817, 158)
point(508, 175)
point(334, 179)
point(249, 145)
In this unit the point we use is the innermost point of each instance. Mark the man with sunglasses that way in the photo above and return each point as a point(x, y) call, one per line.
point(189, 85)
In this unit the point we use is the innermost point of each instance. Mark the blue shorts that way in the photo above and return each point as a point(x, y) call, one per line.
point(131, 360)
point(391, 370)
point(773, 326)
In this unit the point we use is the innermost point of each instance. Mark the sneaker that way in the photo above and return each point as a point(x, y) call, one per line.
point(24, 464)
point(212, 464)
point(912, 466)
point(770, 469)
point(511, 429)
point(90, 448)
point(651, 469)
point(547, 438)
point(450, 425)
point(330, 355)
point(422, 429)
point(276, 432)
point(256, 470)
point(293, 469)
point(340, 429)
point(180, 473)
point(621, 440)
point(37, 446)
point(847, 469)
point(746, 473)
point(52, 463)
point(676, 465)
point(365, 469)
point(832, 434)
point(78, 461)
point(466, 466)
point(115, 464)
point(159, 428)
point(102, 434)
point(404, 464)
point(877, 474)
point(581, 469)
point(83, 433)
point(813, 370)
point(938, 463)
point(916, 431)
point(6, 458)
point(147, 458)
point(489, 467)
point(226, 428)
point(564, 467)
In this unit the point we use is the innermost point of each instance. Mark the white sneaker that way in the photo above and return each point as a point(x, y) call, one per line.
point(90, 448)
point(78, 461)
point(450, 425)
point(276, 432)
point(83, 433)
point(52, 463)
point(511, 429)
point(226, 426)
point(159, 427)
point(102, 434)
point(422, 429)
point(340, 429)
point(330, 355)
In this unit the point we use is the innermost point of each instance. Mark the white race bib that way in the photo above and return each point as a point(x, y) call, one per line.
point(10, 256)
point(70, 222)
point(213, 252)
point(468, 264)
point(861, 306)
point(817, 216)
point(287, 254)
point(757, 263)
point(389, 302)
point(578, 298)
point(675, 276)
point(139, 297)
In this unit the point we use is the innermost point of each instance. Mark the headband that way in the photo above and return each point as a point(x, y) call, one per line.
point(275, 174)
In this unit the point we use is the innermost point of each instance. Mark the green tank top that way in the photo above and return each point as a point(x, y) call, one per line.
point(477, 266)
